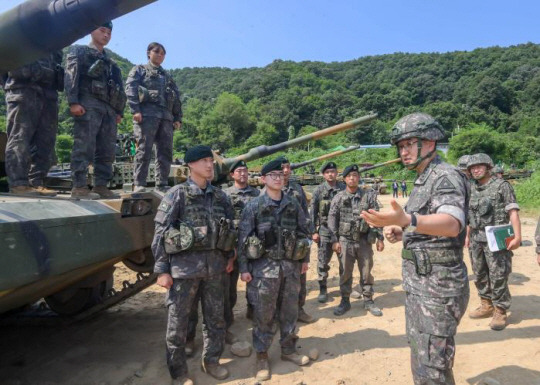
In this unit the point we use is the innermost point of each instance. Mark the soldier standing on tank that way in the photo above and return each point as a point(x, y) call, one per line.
point(296, 191)
point(273, 252)
point(154, 101)
point(32, 122)
point(94, 91)
point(320, 206)
point(432, 228)
point(492, 203)
point(197, 270)
point(352, 238)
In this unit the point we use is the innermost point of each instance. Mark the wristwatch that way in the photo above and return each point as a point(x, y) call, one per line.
point(412, 227)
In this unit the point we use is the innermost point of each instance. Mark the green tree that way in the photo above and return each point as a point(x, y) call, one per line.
point(64, 144)
point(474, 139)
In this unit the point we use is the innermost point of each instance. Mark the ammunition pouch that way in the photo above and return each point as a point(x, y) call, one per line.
point(99, 90)
point(97, 69)
point(178, 238)
point(253, 248)
point(353, 230)
point(117, 96)
point(288, 240)
point(324, 209)
point(424, 259)
point(301, 249)
point(227, 235)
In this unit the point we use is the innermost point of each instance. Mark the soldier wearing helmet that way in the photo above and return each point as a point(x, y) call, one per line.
point(498, 172)
point(493, 202)
point(462, 164)
point(432, 228)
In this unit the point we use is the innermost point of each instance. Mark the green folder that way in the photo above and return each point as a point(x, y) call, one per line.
point(498, 235)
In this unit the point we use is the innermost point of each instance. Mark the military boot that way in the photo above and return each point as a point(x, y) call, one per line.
point(262, 367)
point(298, 359)
point(219, 372)
point(44, 191)
point(162, 188)
point(104, 192)
point(343, 307)
point(304, 317)
point(25, 191)
point(190, 348)
point(499, 320)
point(485, 309)
point(83, 193)
point(323, 295)
point(369, 305)
point(182, 381)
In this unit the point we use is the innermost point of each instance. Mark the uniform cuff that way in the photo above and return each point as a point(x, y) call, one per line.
point(511, 206)
point(454, 211)
point(162, 268)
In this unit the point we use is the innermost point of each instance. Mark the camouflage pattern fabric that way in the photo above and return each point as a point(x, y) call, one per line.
point(431, 324)
point(320, 222)
point(490, 204)
point(440, 188)
point(275, 287)
point(360, 253)
point(537, 237)
point(94, 133)
point(180, 301)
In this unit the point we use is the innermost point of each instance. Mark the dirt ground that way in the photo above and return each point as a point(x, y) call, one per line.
point(125, 344)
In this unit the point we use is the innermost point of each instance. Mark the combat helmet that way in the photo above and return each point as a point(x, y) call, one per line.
point(480, 158)
point(417, 125)
point(463, 161)
point(498, 170)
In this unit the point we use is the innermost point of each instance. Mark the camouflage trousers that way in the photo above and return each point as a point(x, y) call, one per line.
point(352, 252)
point(274, 300)
point(491, 270)
point(324, 255)
point(32, 121)
point(180, 301)
point(94, 141)
point(431, 326)
point(152, 131)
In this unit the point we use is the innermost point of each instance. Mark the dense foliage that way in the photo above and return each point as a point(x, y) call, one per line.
point(487, 100)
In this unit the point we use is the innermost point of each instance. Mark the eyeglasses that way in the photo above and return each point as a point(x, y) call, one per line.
point(275, 176)
point(407, 145)
point(241, 171)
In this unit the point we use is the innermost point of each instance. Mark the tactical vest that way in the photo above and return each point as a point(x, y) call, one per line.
point(239, 204)
point(203, 220)
point(324, 205)
point(157, 88)
point(486, 208)
point(279, 240)
point(46, 72)
point(351, 225)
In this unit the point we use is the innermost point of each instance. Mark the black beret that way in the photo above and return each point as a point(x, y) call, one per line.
point(238, 163)
point(107, 24)
point(328, 165)
point(198, 152)
point(273, 165)
point(283, 160)
point(348, 169)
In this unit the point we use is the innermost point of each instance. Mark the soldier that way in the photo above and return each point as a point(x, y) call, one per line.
point(498, 172)
point(493, 202)
point(32, 121)
point(432, 229)
point(352, 238)
point(462, 165)
point(154, 101)
point(190, 248)
point(273, 251)
point(320, 205)
point(293, 189)
point(96, 98)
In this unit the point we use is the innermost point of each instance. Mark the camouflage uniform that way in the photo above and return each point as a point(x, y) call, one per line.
point(94, 81)
point(320, 206)
point(274, 289)
point(489, 206)
point(434, 275)
point(199, 269)
point(32, 119)
point(353, 234)
point(152, 92)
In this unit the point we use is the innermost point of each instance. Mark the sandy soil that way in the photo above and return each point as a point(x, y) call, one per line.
point(125, 344)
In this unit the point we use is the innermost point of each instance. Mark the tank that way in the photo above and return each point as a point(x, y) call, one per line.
point(179, 173)
point(35, 28)
point(305, 163)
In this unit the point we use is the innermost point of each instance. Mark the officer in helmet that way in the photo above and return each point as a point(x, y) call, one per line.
point(431, 227)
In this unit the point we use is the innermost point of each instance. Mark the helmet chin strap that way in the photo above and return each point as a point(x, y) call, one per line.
point(419, 158)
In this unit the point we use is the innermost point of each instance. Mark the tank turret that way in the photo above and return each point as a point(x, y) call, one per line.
point(35, 28)
point(295, 166)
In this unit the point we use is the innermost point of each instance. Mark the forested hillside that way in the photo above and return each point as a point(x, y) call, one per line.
point(487, 99)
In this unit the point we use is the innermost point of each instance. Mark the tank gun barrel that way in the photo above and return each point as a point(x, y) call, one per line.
point(294, 166)
point(262, 151)
point(35, 28)
point(367, 168)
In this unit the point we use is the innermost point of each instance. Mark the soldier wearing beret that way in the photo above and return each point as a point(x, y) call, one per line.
point(154, 101)
point(96, 97)
point(191, 245)
point(320, 206)
point(432, 227)
point(352, 238)
point(273, 252)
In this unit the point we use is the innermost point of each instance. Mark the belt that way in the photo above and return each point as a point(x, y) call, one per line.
point(451, 255)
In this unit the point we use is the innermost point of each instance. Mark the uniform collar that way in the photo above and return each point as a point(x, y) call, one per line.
point(270, 202)
point(422, 178)
point(358, 193)
point(93, 46)
point(197, 189)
